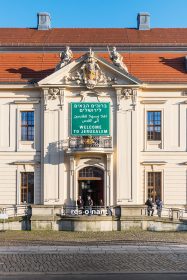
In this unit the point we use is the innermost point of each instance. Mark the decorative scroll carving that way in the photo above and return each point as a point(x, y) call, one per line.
point(130, 93)
point(61, 98)
point(126, 93)
point(86, 93)
point(53, 94)
point(119, 96)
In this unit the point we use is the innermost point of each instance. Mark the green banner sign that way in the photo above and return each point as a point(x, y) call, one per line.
point(90, 118)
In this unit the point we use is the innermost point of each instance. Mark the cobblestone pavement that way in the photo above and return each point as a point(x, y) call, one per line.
point(93, 259)
point(113, 276)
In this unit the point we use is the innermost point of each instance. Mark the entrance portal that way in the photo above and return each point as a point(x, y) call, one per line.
point(91, 183)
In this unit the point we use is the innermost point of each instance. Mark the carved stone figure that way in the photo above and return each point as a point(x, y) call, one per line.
point(65, 57)
point(117, 59)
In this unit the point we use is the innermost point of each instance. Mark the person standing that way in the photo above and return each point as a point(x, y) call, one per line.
point(80, 204)
point(159, 207)
point(89, 204)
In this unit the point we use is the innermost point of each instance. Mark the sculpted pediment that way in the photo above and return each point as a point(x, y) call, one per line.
point(89, 71)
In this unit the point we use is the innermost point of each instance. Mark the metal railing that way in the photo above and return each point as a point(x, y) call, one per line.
point(16, 211)
point(164, 213)
point(87, 210)
point(81, 142)
point(183, 214)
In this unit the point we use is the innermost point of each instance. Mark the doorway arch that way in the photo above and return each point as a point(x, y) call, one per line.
point(91, 183)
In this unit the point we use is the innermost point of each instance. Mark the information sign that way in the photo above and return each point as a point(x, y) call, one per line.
point(90, 118)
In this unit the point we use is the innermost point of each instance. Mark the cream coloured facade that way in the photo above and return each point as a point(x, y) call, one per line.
point(127, 155)
point(140, 151)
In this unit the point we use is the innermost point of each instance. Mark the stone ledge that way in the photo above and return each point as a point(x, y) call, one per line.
point(45, 218)
point(87, 218)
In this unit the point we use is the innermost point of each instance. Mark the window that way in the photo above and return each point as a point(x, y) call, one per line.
point(90, 172)
point(154, 185)
point(27, 126)
point(27, 187)
point(154, 125)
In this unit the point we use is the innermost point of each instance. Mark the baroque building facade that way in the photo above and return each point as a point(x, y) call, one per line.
point(109, 124)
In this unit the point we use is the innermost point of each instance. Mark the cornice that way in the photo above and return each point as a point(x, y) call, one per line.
point(123, 47)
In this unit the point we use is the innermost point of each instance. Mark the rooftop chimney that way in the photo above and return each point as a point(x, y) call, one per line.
point(44, 21)
point(143, 20)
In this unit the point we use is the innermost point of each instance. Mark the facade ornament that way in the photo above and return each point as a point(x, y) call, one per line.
point(72, 162)
point(90, 74)
point(45, 99)
point(130, 93)
point(91, 71)
point(117, 59)
point(119, 97)
point(127, 93)
point(66, 58)
point(109, 164)
point(53, 93)
point(95, 93)
point(61, 98)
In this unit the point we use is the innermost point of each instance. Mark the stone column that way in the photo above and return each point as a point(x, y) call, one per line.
point(44, 144)
point(71, 187)
point(126, 145)
point(61, 128)
point(51, 159)
point(134, 150)
point(108, 181)
point(117, 142)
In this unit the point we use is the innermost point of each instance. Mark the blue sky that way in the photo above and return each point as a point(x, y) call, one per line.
point(97, 13)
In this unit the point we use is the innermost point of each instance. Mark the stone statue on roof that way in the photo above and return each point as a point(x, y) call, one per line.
point(117, 59)
point(65, 57)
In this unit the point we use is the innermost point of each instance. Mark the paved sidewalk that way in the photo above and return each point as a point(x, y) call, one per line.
point(93, 259)
point(94, 249)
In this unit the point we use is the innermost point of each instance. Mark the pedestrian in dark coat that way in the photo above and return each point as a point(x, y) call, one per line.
point(150, 205)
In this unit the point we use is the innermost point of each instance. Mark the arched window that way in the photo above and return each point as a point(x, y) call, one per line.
point(91, 171)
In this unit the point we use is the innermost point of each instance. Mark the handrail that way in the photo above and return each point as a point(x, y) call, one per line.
point(17, 211)
point(183, 214)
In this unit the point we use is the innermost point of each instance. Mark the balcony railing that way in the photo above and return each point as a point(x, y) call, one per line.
point(86, 142)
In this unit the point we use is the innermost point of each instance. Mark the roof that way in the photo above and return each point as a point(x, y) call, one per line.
point(92, 36)
point(147, 67)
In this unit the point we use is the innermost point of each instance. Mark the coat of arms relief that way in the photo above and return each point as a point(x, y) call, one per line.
point(90, 74)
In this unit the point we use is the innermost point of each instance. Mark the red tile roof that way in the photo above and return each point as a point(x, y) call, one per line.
point(92, 36)
point(148, 67)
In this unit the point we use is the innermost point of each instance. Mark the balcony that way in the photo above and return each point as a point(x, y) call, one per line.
point(86, 143)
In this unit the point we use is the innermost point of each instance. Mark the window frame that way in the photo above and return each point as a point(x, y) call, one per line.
point(27, 126)
point(154, 185)
point(154, 138)
point(27, 187)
